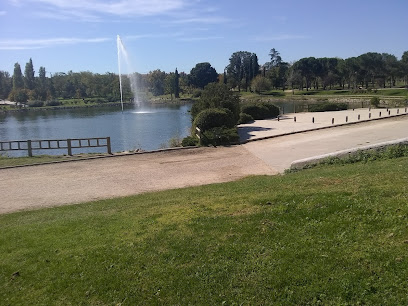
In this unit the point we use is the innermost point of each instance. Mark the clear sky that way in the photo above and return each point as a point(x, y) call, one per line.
point(80, 35)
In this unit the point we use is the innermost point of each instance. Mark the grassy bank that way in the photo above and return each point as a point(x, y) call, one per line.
point(331, 235)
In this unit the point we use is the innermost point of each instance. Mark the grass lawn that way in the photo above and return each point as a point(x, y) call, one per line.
point(327, 235)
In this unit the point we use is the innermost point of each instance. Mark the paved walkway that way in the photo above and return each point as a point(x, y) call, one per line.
point(309, 121)
point(81, 181)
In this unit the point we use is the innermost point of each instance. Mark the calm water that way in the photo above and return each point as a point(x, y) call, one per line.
point(148, 127)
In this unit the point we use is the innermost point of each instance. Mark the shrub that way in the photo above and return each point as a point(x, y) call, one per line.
point(245, 118)
point(35, 103)
point(53, 103)
point(196, 93)
point(259, 111)
point(214, 117)
point(190, 141)
point(220, 136)
point(327, 107)
point(273, 109)
point(217, 95)
point(375, 101)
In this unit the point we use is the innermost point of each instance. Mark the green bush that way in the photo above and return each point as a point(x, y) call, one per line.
point(190, 141)
point(217, 96)
point(220, 136)
point(245, 118)
point(214, 117)
point(375, 101)
point(327, 107)
point(196, 93)
point(259, 111)
point(35, 103)
point(53, 103)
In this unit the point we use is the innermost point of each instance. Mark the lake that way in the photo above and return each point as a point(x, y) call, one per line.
point(147, 127)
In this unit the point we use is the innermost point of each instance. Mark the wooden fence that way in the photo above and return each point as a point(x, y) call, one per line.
point(53, 144)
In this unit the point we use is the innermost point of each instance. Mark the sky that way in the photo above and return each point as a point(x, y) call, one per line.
point(81, 35)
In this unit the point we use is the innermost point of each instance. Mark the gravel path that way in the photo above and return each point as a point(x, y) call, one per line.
point(81, 181)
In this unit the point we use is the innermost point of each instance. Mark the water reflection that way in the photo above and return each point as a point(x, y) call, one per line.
point(146, 127)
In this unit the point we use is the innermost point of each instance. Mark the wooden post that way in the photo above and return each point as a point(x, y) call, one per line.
point(69, 145)
point(108, 145)
point(29, 148)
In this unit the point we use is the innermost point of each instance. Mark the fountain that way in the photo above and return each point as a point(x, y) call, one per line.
point(122, 53)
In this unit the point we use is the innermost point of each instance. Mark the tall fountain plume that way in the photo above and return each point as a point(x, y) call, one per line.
point(119, 43)
point(122, 54)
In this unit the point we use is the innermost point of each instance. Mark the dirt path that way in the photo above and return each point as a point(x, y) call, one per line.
point(81, 181)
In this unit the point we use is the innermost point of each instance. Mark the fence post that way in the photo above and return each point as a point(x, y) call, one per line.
point(198, 134)
point(108, 145)
point(69, 147)
point(29, 148)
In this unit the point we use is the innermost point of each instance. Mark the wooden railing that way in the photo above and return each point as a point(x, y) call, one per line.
point(53, 144)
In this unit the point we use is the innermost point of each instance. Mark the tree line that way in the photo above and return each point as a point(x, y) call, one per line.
point(243, 72)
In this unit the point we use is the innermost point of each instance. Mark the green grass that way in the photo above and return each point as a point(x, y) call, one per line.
point(328, 235)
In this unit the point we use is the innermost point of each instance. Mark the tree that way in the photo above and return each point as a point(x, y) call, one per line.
point(390, 68)
point(275, 58)
point(371, 67)
point(309, 68)
point(216, 95)
point(29, 81)
point(5, 84)
point(203, 74)
point(18, 82)
point(157, 82)
point(260, 83)
point(404, 67)
point(170, 82)
point(176, 85)
point(242, 68)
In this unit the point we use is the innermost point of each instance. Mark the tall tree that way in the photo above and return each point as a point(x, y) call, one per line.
point(276, 59)
point(176, 84)
point(157, 82)
point(404, 67)
point(29, 81)
point(241, 69)
point(5, 84)
point(170, 82)
point(18, 82)
point(203, 74)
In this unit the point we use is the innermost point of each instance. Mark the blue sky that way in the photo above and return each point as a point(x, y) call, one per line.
point(80, 35)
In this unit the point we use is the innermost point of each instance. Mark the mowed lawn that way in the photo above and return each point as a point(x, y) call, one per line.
point(330, 235)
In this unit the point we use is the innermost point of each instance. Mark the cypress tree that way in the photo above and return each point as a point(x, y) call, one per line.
point(29, 75)
point(18, 82)
point(176, 85)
